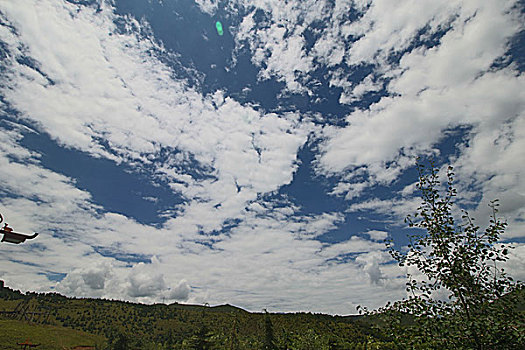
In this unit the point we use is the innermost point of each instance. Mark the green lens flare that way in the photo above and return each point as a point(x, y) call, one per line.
point(218, 25)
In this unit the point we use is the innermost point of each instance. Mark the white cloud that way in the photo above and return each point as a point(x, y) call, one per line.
point(280, 56)
point(143, 282)
point(278, 47)
point(489, 164)
point(387, 27)
point(95, 279)
point(358, 91)
point(87, 281)
point(109, 85)
point(377, 235)
point(515, 266)
point(433, 89)
point(180, 291)
point(447, 86)
point(330, 50)
point(208, 6)
point(371, 264)
point(114, 280)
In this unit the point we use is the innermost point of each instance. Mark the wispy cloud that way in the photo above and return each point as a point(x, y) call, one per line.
point(453, 84)
point(95, 82)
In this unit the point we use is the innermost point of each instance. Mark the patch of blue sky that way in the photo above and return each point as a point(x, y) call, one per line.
point(309, 190)
point(274, 200)
point(37, 247)
point(312, 33)
point(116, 188)
point(519, 240)
point(326, 103)
point(9, 194)
point(244, 85)
point(310, 193)
point(34, 65)
point(423, 39)
point(93, 3)
point(54, 276)
point(331, 111)
point(188, 165)
point(356, 224)
point(343, 258)
point(21, 262)
point(3, 54)
point(183, 29)
point(262, 19)
point(370, 97)
point(449, 147)
point(230, 224)
point(189, 33)
point(227, 227)
point(515, 53)
point(129, 258)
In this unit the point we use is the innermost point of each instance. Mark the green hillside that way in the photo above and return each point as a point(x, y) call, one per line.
point(58, 322)
point(48, 337)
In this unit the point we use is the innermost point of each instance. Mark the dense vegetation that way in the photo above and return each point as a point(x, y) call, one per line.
point(125, 325)
point(460, 297)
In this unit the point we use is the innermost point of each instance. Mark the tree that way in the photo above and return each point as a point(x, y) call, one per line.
point(269, 338)
point(121, 342)
point(462, 299)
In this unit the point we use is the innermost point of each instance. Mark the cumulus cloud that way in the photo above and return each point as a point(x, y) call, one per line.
point(87, 281)
point(371, 264)
point(180, 291)
point(442, 79)
point(144, 283)
point(515, 266)
point(95, 279)
point(358, 91)
point(115, 280)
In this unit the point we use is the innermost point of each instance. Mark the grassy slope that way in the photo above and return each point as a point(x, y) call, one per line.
point(49, 337)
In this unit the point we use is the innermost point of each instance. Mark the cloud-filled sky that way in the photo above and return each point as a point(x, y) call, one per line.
point(161, 161)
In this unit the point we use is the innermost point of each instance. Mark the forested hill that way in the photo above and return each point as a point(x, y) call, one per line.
point(125, 325)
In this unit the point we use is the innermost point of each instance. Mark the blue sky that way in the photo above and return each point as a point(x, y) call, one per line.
point(261, 168)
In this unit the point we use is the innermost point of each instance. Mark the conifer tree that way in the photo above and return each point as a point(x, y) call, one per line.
point(269, 338)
